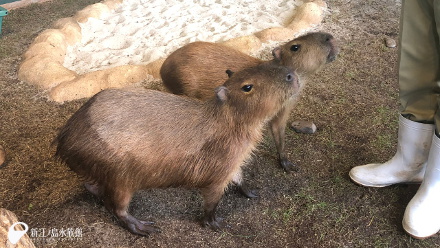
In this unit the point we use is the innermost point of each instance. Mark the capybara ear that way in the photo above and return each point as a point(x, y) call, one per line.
point(222, 93)
point(229, 72)
point(276, 52)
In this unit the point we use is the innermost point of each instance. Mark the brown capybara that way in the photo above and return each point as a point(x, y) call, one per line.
point(121, 141)
point(197, 68)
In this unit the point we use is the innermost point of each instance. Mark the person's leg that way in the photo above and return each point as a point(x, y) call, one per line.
point(422, 215)
point(418, 73)
point(418, 61)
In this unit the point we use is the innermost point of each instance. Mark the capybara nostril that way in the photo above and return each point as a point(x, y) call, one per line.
point(290, 77)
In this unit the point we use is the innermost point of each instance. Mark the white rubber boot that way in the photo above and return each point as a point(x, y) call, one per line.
point(409, 162)
point(422, 215)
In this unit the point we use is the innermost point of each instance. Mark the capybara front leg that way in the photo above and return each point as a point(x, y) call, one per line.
point(243, 189)
point(278, 128)
point(117, 203)
point(211, 199)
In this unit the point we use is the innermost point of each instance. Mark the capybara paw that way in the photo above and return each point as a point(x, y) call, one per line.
point(287, 165)
point(217, 224)
point(244, 190)
point(144, 222)
point(143, 228)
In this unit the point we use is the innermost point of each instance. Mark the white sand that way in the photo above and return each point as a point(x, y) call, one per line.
point(142, 31)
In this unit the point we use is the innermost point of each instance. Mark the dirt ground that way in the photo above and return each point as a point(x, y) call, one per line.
point(353, 102)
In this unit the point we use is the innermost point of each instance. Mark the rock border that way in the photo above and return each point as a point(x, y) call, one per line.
point(43, 61)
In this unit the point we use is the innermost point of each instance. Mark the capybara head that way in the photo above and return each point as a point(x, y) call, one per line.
point(307, 54)
point(262, 88)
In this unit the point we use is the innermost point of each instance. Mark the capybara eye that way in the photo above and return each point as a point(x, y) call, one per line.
point(247, 88)
point(295, 48)
point(289, 77)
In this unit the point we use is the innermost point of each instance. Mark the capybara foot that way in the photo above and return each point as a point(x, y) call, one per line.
point(287, 165)
point(139, 227)
point(244, 190)
point(216, 224)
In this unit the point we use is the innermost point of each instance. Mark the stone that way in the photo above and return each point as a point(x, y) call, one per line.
point(54, 37)
point(45, 72)
point(306, 127)
point(89, 84)
point(153, 68)
point(279, 33)
point(245, 44)
point(91, 11)
point(45, 50)
point(112, 4)
point(310, 13)
point(390, 43)
point(71, 30)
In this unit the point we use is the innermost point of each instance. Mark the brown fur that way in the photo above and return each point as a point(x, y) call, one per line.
point(122, 141)
point(197, 68)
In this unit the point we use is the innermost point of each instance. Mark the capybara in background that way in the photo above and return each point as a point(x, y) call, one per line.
point(197, 68)
point(121, 141)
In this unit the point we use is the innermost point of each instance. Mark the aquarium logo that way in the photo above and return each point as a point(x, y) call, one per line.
point(15, 235)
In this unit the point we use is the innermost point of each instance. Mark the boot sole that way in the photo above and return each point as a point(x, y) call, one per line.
point(419, 237)
point(379, 185)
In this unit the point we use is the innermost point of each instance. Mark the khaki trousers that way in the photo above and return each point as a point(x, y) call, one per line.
point(419, 61)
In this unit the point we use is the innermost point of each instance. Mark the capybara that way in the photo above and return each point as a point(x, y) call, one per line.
point(197, 68)
point(124, 140)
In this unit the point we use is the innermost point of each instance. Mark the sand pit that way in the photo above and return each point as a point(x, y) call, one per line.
point(120, 43)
